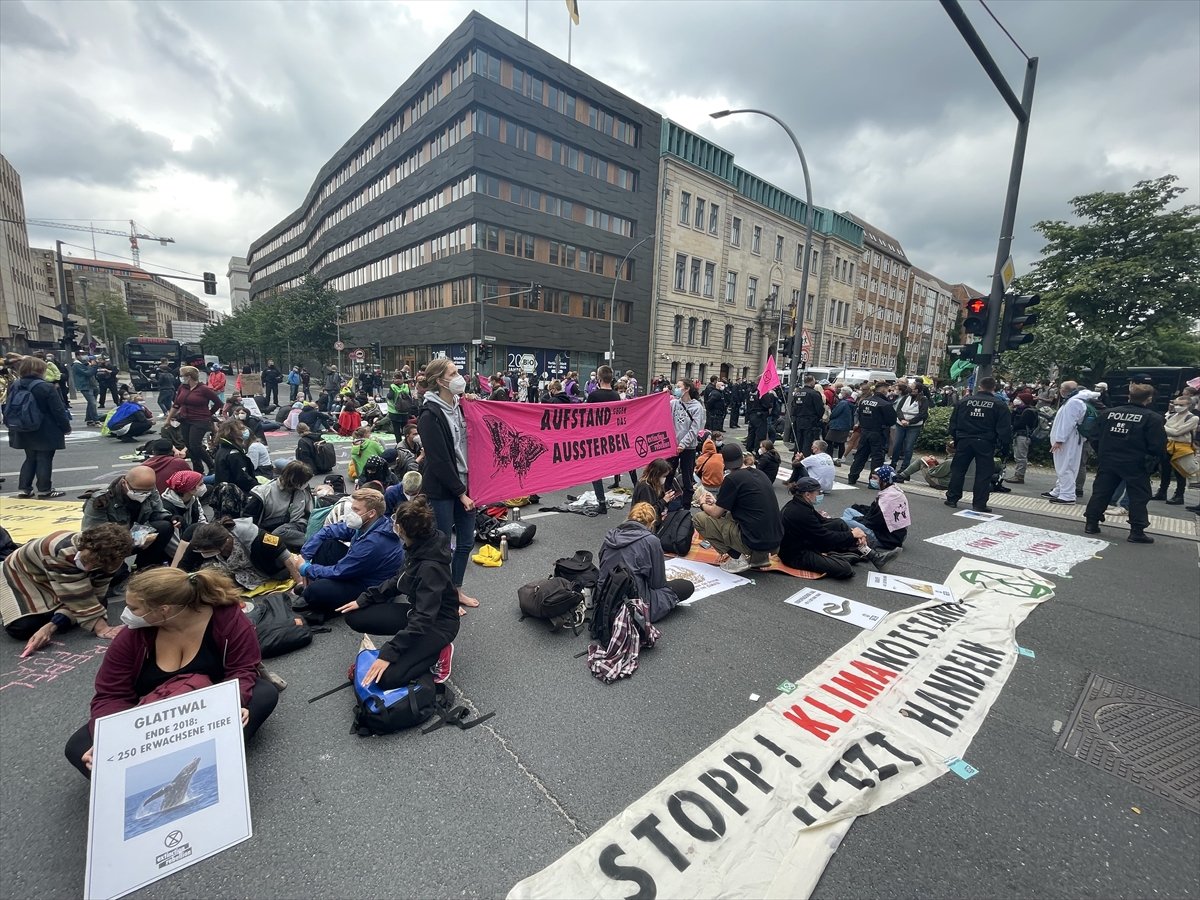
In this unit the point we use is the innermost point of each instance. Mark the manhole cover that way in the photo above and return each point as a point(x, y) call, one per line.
point(1139, 737)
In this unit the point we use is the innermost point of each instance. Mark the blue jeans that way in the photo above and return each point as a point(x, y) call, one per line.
point(906, 440)
point(454, 519)
point(853, 518)
point(92, 414)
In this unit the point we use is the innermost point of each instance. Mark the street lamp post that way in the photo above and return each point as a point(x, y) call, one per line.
point(808, 228)
point(612, 303)
point(779, 303)
point(83, 282)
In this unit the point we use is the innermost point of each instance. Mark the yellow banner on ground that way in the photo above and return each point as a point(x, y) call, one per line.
point(28, 520)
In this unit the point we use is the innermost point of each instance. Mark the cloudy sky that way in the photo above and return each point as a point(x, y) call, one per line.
point(207, 121)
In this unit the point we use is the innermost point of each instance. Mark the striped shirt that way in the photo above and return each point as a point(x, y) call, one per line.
point(41, 577)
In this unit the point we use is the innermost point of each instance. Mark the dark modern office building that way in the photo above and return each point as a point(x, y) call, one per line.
point(494, 167)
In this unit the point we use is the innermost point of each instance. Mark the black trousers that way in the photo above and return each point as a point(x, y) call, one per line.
point(271, 392)
point(684, 466)
point(109, 388)
point(733, 415)
point(835, 565)
point(39, 463)
point(983, 453)
point(327, 594)
point(1165, 473)
point(1137, 482)
point(263, 698)
point(392, 618)
point(194, 434)
point(806, 432)
point(871, 444)
point(598, 486)
point(155, 553)
point(399, 423)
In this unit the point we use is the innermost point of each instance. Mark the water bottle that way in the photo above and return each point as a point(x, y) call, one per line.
point(503, 548)
point(514, 514)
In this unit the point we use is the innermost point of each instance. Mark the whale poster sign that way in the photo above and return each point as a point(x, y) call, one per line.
point(168, 789)
point(517, 449)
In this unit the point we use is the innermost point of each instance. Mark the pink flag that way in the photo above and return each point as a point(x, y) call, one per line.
point(770, 377)
point(517, 449)
point(485, 384)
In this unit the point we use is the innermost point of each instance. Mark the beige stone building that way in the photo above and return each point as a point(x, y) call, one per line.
point(728, 266)
point(932, 309)
point(28, 319)
point(880, 301)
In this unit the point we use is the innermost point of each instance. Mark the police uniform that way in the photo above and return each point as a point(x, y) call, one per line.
point(979, 426)
point(1132, 440)
point(876, 416)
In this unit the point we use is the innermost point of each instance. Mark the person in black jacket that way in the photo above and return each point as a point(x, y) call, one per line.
point(655, 487)
point(271, 377)
point(875, 419)
point(912, 409)
point(425, 626)
point(808, 409)
point(813, 542)
point(167, 384)
point(767, 460)
point(443, 432)
point(1132, 438)
point(39, 445)
point(232, 464)
point(1024, 424)
point(980, 426)
point(715, 404)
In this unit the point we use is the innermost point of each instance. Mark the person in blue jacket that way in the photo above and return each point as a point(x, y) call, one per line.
point(336, 574)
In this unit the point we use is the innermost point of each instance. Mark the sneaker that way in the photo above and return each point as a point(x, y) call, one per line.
point(760, 560)
point(1061, 500)
point(881, 558)
point(735, 565)
point(441, 668)
point(1049, 494)
point(1116, 512)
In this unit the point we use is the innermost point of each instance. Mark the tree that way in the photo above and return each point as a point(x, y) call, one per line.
point(107, 312)
point(296, 324)
point(1114, 283)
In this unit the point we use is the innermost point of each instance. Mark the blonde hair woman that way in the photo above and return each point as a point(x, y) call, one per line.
point(634, 545)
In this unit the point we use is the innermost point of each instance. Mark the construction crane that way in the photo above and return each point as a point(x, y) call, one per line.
point(134, 235)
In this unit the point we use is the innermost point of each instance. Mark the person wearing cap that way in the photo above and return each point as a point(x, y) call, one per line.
point(181, 502)
point(828, 546)
point(1132, 438)
point(885, 521)
point(742, 521)
point(165, 459)
point(1024, 424)
point(980, 426)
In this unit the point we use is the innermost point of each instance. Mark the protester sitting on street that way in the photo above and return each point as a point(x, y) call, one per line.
point(42, 430)
point(232, 465)
point(179, 625)
point(710, 466)
point(653, 487)
point(363, 447)
point(51, 584)
point(634, 545)
point(132, 500)
point(767, 461)
point(239, 548)
point(377, 469)
point(306, 446)
point(817, 464)
point(258, 454)
point(181, 502)
point(406, 491)
point(316, 420)
point(743, 518)
point(880, 520)
point(426, 623)
point(337, 573)
point(193, 409)
point(166, 460)
point(827, 546)
point(283, 506)
point(349, 419)
point(130, 420)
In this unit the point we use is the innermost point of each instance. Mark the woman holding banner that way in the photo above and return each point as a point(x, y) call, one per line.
point(443, 432)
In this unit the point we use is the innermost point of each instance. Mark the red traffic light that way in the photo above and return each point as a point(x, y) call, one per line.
point(977, 306)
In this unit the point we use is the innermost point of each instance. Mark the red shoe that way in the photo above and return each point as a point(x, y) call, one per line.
point(441, 668)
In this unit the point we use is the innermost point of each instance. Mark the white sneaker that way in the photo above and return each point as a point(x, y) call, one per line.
point(735, 566)
point(1116, 512)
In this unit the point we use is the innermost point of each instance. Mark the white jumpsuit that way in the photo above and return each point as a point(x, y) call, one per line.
point(1064, 431)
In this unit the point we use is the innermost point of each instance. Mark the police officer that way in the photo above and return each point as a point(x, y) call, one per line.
point(979, 426)
point(1132, 440)
point(808, 407)
point(876, 416)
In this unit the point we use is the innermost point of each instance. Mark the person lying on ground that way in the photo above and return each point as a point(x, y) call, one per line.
point(240, 549)
point(813, 542)
point(179, 625)
point(425, 624)
point(52, 584)
point(634, 545)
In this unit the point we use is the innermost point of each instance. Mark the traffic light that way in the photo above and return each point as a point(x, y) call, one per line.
point(377, 350)
point(535, 295)
point(69, 332)
point(485, 353)
point(976, 321)
point(210, 283)
point(1014, 331)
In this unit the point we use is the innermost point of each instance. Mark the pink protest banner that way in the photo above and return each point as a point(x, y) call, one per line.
point(517, 449)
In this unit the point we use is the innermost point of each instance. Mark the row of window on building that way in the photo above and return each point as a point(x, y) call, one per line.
point(707, 215)
point(694, 275)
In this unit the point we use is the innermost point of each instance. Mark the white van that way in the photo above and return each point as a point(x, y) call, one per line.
point(818, 375)
point(856, 377)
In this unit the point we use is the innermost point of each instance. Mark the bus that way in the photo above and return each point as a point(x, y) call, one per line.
point(142, 355)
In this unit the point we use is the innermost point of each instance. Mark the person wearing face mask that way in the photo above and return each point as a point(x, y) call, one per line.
point(183, 631)
point(283, 506)
point(426, 623)
point(193, 409)
point(885, 519)
point(239, 548)
point(813, 542)
point(443, 433)
point(51, 584)
point(336, 572)
point(181, 501)
point(232, 465)
point(687, 412)
point(132, 501)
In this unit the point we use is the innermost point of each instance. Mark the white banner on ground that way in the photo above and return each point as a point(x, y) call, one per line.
point(978, 516)
point(911, 587)
point(168, 789)
point(849, 611)
point(1020, 545)
point(759, 812)
point(708, 579)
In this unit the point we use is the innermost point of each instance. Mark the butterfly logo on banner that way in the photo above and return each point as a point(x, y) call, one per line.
point(511, 448)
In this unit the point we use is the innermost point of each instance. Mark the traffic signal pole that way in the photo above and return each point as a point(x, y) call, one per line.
point(1022, 109)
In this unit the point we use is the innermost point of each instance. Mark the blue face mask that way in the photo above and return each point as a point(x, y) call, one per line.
point(818, 500)
point(678, 392)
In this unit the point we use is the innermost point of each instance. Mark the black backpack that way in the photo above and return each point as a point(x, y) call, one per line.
point(610, 599)
point(326, 457)
point(21, 409)
point(579, 570)
point(280, 630)
point(554, 600)
point(675, 533)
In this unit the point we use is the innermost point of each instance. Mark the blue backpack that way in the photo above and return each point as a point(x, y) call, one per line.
point(21, 409)
point(377, 711)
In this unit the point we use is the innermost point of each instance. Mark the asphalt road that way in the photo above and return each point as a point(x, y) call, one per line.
point(469, 814)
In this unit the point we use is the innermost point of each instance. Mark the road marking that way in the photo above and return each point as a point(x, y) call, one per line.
point(538, 515)
point(56, 471)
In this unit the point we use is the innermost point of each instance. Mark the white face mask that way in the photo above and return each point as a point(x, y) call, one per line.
point(138, 496)
point(457, 385)
point(200, 491)
point(129, 620)
point(353, 520)
point(79, 563)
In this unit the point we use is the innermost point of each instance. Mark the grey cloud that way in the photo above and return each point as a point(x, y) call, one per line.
point(20, 27)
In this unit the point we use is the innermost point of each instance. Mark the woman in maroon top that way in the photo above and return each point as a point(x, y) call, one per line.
point(193, 409)
point(186, 629)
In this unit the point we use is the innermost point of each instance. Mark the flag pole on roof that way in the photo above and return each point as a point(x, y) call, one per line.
point(573, 11)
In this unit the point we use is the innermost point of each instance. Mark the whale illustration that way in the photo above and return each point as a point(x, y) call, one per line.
point(172, 794)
